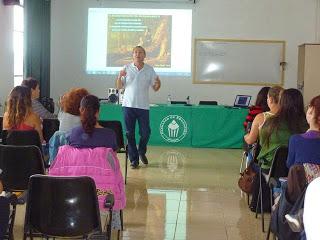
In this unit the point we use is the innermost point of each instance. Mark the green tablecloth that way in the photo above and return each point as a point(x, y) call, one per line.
point(192, 126)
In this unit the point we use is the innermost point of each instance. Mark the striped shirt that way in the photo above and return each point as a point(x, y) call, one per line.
point(39, 109)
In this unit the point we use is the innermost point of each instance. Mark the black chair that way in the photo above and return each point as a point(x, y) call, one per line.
point(116, 126)
point(5, 202)
point(277, 170)
point(49, 126)
point(21, 138)
point(208, 103)
point(18, 163)
point(178, 102)
point(62, 207)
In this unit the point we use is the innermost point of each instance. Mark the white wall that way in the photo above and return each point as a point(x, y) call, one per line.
point(6, 52)
point(294, 21)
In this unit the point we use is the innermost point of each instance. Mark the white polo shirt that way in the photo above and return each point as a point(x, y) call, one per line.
point(137, 84)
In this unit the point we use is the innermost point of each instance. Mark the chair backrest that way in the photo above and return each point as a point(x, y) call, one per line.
point(50, 126)
point(21, 138)
point(18, 164)
point(178, 102)
point(116, 126)
point(62, 206)
point(279, 167)
point(101, 164)
point(208, 103)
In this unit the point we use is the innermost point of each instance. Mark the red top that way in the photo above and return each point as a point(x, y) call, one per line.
point(253, 112)
point(23, 127)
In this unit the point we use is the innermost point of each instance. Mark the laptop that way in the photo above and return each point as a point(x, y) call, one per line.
point(242, 101)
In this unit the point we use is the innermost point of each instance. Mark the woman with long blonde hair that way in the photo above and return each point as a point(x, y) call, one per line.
point(19, 114)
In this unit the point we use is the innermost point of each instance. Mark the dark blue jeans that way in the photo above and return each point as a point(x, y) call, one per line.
point(131, 116)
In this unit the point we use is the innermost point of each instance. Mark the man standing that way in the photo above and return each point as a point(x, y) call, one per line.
point(137, 78)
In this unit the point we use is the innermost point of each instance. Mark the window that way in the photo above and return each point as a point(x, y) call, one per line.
point(18, 39)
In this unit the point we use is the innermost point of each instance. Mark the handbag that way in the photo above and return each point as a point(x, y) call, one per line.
point(245, 181)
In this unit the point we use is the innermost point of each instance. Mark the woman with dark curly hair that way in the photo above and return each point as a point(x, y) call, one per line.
point(69, 117)
point(19, 114)
point(90, 134)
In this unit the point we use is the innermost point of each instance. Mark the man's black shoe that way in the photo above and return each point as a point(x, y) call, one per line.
point(134, 165)
point(144, 159)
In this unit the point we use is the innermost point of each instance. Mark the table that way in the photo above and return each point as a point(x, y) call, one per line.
point(190, 126)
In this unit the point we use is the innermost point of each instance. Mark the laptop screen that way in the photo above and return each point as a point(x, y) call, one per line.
point(242, 101)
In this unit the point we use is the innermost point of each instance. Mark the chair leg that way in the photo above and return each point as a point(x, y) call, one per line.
point(248, 199)
point(261, 200)
point(242, 161)
point(258, 200)
point(269, 231)
point(121, 219)
point(271, 202)
point(109, 225)
point(12, 219)
point(271, 197)
point(126, 169)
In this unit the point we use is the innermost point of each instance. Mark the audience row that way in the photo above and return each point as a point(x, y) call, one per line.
point(285, 123)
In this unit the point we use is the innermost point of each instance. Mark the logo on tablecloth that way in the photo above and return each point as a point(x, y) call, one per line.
point(173, 128)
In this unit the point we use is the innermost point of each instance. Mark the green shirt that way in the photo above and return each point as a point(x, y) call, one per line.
point(277, 139)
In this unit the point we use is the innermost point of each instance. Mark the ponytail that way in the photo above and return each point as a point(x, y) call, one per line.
point(89, 106)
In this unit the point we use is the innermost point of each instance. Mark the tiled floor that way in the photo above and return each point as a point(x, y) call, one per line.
point(185, 193)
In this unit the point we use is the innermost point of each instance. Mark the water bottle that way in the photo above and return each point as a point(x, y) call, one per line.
point(188, 100)
point(169, 100)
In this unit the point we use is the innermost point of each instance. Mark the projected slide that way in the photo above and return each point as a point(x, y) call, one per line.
point(165, 35)
point(153, 32)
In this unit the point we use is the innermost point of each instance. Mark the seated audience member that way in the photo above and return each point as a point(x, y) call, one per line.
point(273, 99)
point(90, 134)
point(69, 117)
point(275, 132)
point(19, 114)
point(312, 210)
point(260, 106)
point(305, 148)
point(290, 119)
point(37, 107)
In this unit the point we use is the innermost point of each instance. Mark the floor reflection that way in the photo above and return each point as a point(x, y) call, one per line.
point(184, 194)
point(174, 209)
